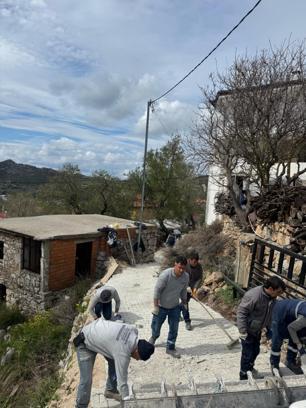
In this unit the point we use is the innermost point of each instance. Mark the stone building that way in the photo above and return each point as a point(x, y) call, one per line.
point(42, 256)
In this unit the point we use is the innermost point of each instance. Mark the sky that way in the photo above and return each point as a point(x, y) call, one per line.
point(76, 76)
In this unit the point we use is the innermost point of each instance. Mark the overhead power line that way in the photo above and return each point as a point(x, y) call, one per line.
point(209, 54)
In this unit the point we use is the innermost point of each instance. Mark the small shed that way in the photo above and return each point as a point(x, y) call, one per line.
point(42, 256)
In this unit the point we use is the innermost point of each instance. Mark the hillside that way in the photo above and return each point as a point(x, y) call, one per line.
point(16, 177)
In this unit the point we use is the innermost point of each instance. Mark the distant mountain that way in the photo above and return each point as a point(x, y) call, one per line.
point(16, 177)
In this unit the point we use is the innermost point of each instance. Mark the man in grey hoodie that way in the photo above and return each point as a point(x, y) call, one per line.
point(170, 287)
point(117, 342)
point(254, 314)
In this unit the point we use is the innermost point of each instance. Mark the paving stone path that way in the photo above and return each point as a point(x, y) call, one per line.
point(205, 356)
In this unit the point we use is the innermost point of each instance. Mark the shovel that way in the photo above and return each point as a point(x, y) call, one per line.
point(232, 342)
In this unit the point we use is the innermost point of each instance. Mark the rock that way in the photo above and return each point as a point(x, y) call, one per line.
point(202, 293)
point(218, 290)
point(7, 356)
point(214, 277)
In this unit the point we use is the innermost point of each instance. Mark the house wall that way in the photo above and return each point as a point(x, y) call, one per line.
point(23, 287)
point(213, 188)
point(33, 292)
point(61, 264)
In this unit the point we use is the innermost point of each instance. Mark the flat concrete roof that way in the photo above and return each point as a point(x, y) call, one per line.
point(62, 226)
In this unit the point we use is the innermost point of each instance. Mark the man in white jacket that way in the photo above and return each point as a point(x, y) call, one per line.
point(101, 302)
point(117, 342)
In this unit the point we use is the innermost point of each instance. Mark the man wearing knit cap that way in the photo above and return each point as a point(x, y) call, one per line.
point(101, 303)
point(117, 342)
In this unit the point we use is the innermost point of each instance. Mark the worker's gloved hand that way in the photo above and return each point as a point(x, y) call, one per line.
point(155, 310)
point(243, 336)
point(189, 290)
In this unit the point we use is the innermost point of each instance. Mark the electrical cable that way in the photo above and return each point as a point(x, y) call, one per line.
point(211, 52)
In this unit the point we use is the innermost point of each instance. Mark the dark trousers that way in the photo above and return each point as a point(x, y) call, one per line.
point(249, 353)
point(104, 309)
point(173, 322)
point(279, 334)
point(185, 309)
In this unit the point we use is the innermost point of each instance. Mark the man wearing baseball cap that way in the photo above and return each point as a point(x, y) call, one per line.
point(117, 342)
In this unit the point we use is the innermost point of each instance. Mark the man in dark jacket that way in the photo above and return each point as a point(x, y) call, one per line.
point(288, 322)
point(254, 314)
point(195, 272)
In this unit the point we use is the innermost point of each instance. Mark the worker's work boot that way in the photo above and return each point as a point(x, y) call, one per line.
point(188, 326)
point(112, 394)
point(296, 369)
point(173, 352)
point(152, 340)
point(256, 375)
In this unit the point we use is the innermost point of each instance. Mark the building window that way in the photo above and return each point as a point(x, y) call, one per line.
point(1, 249)
point(31, 255)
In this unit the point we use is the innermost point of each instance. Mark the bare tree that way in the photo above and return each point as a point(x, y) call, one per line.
point(252, 121)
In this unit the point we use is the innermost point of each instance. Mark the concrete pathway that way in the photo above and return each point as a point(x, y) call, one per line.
point(205, 356)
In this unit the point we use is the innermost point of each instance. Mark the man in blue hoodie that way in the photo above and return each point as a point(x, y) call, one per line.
point(288, 322)
point(117, 342)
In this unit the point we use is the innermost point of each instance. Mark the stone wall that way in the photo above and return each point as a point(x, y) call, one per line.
point(23, 287)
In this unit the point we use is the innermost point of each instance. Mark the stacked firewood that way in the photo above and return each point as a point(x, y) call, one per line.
point(224, 205)
point(288, 205)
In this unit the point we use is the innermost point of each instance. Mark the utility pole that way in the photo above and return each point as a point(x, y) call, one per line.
point(144, 174)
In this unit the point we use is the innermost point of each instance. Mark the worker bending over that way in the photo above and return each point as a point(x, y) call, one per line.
point(288, 322)
point(117, 342)
point(254, 314)
point(101, 303)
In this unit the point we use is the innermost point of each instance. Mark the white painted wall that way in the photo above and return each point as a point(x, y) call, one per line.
point(214, 187)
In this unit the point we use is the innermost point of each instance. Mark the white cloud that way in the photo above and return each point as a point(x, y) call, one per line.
point(67, 63)
point(167, 118)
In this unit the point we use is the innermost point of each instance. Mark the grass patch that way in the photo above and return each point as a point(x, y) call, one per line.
point(30, 378)
point(9, 316)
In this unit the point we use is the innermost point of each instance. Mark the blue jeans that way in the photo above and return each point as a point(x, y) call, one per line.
point(86, 360)
point(249, 353)
point(104, 309)
point(173, 322)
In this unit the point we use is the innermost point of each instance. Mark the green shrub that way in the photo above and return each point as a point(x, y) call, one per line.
point(226, 296)
point(30, 378)
point(39, 339)
point(10, 316)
